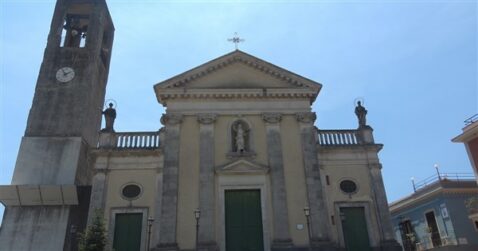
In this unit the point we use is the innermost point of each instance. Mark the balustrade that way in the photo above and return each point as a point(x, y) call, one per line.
point(338, 137)
point(129, 140)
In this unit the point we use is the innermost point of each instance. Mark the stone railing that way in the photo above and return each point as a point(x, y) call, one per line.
point(129, 140)
point(338, 137)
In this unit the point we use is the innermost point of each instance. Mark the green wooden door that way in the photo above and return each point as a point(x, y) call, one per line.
point(243, 220)
point(355, 229)
point(128, 232)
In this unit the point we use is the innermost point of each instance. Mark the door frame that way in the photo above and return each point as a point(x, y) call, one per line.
point(242, 182)
point(432, 210)
point(124, 210)
point(372, 229)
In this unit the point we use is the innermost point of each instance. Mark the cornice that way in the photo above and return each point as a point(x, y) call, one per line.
point(415, 199)
point(279, 93)
point(242, 58)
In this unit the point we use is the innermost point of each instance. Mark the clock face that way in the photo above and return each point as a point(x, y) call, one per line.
point(65, 74)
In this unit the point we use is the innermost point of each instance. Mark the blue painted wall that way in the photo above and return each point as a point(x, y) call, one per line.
point(451, 216)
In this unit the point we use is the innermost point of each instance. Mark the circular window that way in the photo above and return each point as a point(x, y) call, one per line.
point(131, 191)
point(348, 186)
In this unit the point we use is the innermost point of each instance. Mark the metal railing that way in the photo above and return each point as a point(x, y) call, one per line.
point(338, 137)
point(471, 119)
point(442, 177)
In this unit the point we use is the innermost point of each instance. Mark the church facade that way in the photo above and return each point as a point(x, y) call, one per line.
point(237, 165)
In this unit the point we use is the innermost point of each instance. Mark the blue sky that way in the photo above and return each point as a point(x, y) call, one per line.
point(413, 62)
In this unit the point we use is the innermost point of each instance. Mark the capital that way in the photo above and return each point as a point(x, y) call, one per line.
point(271, 117)
point(206, 118)
point(306, 117)
point(171, 119)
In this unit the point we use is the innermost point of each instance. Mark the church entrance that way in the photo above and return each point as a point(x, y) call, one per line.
point(127, 235)
point(354, 229)
point(243, 220)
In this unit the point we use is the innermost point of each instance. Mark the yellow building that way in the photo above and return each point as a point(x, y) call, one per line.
point(238, 163)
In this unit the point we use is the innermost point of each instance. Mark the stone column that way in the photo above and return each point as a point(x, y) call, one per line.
point(169, 191)
point(388, 241)
point(98, 191)
point(319, 222)
point(279, 196)
point(207, 226)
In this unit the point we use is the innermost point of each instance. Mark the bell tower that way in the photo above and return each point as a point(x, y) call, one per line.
point(49, 196)
point(71, 84)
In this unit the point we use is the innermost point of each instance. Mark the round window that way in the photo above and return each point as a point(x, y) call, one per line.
point(348, 186)
point(131, 191)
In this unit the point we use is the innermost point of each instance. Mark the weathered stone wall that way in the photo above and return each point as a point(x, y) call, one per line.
point(34, 228)
point(50, 160)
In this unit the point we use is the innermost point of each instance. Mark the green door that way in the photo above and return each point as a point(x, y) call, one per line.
point(128, 232)
point(355, 229)
point(243, 220)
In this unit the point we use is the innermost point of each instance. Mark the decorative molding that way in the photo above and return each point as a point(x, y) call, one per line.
point(279, 93)
point(171, 119)
point(239, 57)
point(206, 118)
point(242, 167)
point(182, 85)
point(306, 117)
point(271, 117)
point(235, 155)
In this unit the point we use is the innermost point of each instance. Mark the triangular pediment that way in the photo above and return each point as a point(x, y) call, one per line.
point(236, 71)
point(242, 166)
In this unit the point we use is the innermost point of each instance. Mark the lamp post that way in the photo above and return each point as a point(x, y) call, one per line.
point(413, 184)
point(150, 224)
point(197, 215)
point(307, 217)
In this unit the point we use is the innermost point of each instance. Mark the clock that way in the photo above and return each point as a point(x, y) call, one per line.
point(65, 74)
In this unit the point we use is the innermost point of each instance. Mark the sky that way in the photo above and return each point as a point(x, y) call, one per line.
point(414, 63)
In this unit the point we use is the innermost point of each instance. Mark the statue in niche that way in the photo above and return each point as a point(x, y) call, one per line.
point(240, 137)
point(361, 113)
point(110, 116)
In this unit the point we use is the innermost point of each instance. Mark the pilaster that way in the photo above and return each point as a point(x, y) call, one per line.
point(98, 193)
point(319, 222)
point(387, 241)
point(280, 216)
point(207, 233)
point(169, 191)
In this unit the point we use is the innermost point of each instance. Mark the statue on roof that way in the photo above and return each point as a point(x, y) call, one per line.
point(361, 113)
point(110, 116)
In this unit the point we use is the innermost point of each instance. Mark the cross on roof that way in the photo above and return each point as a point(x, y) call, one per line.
point(236, 40)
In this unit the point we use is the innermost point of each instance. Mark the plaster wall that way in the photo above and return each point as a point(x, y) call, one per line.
point(48, 160)
point(294, 179)
point(416, 215)
point(123, 170)
point(34, 228)
point(188, 191)
point(352, 164)
point(458, 214)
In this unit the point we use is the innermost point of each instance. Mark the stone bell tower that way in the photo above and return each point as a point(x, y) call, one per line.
point(48, 199)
